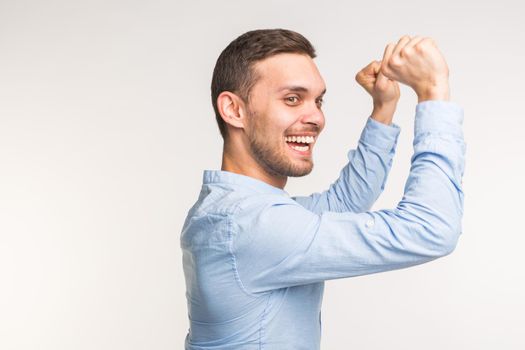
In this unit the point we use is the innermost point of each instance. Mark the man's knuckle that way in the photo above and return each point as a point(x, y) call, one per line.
point(395, 62)
point(425, 45)
point(420, 47)
point(406, 51)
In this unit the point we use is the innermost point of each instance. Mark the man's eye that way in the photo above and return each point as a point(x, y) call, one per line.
point(320, 102)
point(292, 99)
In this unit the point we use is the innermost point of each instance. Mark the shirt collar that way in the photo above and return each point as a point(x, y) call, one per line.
point(227, 177)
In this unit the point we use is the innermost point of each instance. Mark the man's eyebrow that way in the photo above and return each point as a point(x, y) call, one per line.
point(296, 88)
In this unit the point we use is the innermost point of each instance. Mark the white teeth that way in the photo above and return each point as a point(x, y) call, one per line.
point(301, 139)
point(301, 148)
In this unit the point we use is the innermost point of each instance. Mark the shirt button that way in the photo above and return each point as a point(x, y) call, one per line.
point(370, 223)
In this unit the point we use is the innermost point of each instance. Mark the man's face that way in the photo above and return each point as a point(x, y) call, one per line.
point(284, 114)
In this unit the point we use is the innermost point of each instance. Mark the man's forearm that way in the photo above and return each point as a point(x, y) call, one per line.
point(362, 179)
point(384, 113)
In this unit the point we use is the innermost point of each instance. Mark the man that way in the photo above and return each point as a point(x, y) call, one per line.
point(255, 259)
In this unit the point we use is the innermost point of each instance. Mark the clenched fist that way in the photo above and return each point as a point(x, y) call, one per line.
point(417, 63)
point(384, 91)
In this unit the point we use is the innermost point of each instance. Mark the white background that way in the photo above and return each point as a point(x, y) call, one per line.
point(106, 125)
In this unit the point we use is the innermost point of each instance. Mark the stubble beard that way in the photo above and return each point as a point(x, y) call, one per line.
point(271, 157)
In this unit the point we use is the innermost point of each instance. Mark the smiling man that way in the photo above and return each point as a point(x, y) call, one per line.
point(255, 259)
point(276, 131)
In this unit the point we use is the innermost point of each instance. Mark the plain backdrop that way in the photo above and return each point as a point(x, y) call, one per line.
point(106, 125)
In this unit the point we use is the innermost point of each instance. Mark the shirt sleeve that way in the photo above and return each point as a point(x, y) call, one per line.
point(278, 243)
point(363, 178)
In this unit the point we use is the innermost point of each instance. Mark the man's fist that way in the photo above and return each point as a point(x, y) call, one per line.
point(417, 63)
point(383, 90)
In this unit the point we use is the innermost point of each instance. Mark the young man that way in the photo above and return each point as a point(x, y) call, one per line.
point(255, 259)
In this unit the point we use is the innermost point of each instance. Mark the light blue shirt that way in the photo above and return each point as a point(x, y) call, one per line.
point(255, 259)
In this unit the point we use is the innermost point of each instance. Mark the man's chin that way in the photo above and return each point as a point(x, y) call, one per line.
point(282, 165)
point(299, 172)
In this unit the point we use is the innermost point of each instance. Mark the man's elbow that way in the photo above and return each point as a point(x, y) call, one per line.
point(438, 234)
point(448, 239)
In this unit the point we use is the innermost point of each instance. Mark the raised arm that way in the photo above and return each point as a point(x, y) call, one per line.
point(362, 179)
point(424, 225)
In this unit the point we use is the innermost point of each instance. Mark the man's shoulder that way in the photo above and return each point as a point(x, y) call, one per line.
point(221, 209)
point(230, 201)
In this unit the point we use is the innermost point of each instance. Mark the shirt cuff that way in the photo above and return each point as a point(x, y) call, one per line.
point(379, 135)
point(438, 117)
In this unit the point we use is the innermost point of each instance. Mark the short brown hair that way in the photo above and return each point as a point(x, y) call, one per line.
point(233, 71)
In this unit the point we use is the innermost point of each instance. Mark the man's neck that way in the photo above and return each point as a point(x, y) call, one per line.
point(240, 162)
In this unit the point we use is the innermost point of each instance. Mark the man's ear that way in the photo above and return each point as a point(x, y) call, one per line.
point(231, 109)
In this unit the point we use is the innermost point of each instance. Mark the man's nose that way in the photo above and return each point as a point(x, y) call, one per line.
point(313, 115)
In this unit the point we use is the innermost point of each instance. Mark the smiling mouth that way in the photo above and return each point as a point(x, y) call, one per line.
point(300, 144)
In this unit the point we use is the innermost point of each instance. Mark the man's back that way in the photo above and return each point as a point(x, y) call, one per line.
point(221, 309)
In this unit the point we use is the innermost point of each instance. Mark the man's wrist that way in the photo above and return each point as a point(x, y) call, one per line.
point(437, 91)
point(384, 113)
